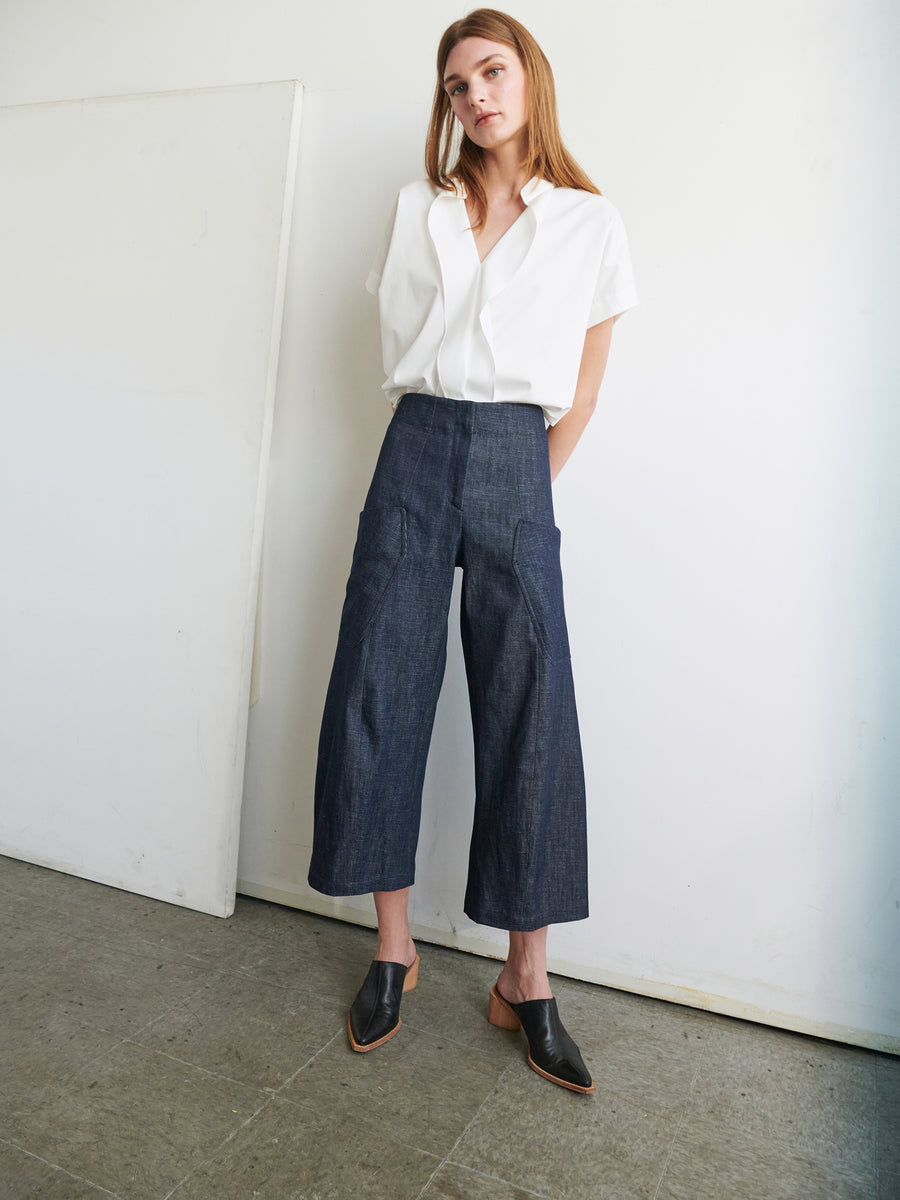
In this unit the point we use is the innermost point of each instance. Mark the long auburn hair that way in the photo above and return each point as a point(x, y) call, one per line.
point(547, 157)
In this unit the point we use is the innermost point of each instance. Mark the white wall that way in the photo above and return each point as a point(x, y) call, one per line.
point(729, 521)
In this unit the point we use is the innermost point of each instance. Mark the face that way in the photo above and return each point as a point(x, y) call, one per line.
point(488, 90)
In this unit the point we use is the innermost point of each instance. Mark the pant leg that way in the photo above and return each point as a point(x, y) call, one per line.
point(528, 855)
point(388, 668)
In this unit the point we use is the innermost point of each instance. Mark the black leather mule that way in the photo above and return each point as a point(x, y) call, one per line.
point(374, 1015)
point(551, 1051)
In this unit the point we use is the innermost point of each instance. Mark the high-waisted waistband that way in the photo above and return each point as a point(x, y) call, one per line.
point(488, 457)
point(440, 412)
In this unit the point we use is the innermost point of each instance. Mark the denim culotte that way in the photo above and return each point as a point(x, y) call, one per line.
point(457, 484)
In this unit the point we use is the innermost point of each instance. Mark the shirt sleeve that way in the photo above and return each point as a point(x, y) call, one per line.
point(374, 278)
point(615, 290)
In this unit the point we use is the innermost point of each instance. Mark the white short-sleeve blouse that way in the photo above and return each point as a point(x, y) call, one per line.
point(510, 328)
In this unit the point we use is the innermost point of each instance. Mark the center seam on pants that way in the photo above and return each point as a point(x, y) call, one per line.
point(465, 429)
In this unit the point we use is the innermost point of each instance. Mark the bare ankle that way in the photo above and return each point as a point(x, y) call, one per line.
point(396, 948)
point(516, 984)
point(394, 941)
point(524, 975)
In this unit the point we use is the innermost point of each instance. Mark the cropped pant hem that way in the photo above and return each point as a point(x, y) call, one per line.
point(361, 887)
point(527, 923)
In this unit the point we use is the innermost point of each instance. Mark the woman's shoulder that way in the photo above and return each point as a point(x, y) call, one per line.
point(585, 204)
point(585, 216)
point(419, 193)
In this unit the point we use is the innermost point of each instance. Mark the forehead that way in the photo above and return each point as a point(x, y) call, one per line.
point(472, 50)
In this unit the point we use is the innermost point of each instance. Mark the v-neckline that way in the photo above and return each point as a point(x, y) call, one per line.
point(512, 225)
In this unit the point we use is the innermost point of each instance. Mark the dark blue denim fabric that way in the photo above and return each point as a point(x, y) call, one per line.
point(457, 484)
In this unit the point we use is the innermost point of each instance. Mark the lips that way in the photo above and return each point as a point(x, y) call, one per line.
point(485, 117)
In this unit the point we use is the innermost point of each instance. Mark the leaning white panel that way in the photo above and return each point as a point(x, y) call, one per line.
point(144, 259)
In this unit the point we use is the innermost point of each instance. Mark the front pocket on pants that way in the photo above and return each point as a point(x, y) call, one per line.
point(380, 547)
point(536, 563)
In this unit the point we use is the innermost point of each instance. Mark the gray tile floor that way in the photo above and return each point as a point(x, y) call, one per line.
point(147, 1052)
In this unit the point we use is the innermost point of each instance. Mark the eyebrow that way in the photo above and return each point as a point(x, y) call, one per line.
point(480, 63)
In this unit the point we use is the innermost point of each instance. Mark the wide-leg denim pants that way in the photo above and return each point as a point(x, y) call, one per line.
point(457, 484)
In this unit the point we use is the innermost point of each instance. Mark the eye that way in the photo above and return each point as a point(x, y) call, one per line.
point(494, 71)
point(457, 90)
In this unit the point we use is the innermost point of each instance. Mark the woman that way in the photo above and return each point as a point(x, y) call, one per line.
point(498, 284)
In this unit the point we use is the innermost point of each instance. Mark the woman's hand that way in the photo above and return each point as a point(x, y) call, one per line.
point(562, 438)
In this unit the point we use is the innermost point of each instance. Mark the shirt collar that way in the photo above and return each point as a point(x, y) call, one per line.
point(533, 188)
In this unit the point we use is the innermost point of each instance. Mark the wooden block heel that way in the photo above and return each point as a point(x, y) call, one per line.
point(500, 1013)
point(412, 975)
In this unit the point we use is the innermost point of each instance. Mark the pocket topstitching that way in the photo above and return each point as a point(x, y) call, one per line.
point(380, 548)
point(536, 563)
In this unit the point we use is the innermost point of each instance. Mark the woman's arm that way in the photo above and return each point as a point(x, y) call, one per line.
point(562, 437)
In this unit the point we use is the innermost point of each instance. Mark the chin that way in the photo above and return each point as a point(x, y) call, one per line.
point(487, 137)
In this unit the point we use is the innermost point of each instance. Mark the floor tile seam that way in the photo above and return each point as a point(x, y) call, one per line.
point(211, 957)
point(270, 943)
point(302, 1102)
point(237, 968)
point(611, 1158)
point(221, 1146)
point(701, 1058)
point(496, 1179)
point(431, 1178)
point(315, 1106)
point(277, 1091)
point(448, 1157)
point(56, 1167)
point(587, 1044)
point(676, 1112)
point(413, 1028)
point(184, 1062)
point(72, 1084)
point(79, 1024)
point(96, 1027)
point(173, 1008)
point(134, 948)
point(669, 1153)
point(64, 1085)
point(244, 973)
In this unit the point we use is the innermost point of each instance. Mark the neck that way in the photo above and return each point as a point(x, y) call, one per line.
point(504, 175)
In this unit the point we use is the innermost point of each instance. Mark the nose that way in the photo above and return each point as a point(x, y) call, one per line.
point(477, 95)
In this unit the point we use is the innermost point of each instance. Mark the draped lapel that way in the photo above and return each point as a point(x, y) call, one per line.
point(461, 272)
point(506, 260)
point(448, 225)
